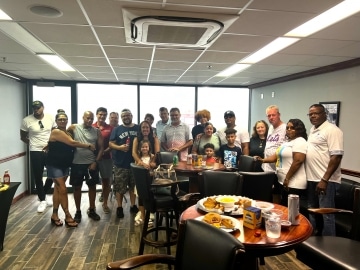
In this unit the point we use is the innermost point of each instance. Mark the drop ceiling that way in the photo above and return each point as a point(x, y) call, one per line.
point(90, 36)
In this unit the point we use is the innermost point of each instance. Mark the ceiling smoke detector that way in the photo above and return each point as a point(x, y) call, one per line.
point(172, 28)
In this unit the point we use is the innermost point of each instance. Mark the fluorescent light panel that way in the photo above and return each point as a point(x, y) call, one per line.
point(236, 68)
point(327, 18)
point(4, 16)
point(20, 35)
point(270, 49)
point(56, 62)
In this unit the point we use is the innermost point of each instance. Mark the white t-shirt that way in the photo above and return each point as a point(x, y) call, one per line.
point(284, 160)
point(323, 142)
point(242, 136)
point(38, 137)
point(275, 138)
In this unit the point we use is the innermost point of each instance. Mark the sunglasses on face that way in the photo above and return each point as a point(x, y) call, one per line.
point(41, 125)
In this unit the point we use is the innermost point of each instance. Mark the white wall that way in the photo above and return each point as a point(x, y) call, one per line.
point(295, 97)
point(12, 111)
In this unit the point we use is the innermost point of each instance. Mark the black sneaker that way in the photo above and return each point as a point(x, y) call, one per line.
point(92, 214)
point(120, 212)
point(134, 209)
point(77, 217)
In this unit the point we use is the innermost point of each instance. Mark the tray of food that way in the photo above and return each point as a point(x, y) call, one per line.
point(225, 204)
point(225, 223)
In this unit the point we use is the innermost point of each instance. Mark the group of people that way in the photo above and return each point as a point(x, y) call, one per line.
point(305, 165)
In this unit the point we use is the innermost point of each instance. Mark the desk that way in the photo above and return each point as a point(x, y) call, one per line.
point(6, 198)
point(194, 174)
point(262, 246)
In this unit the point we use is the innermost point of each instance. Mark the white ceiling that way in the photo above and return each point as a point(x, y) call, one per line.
point(90, 36)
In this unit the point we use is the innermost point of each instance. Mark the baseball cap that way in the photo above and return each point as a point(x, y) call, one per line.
point(37, 104)
point(229, 113)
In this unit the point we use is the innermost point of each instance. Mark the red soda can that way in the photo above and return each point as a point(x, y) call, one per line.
point(293, 207)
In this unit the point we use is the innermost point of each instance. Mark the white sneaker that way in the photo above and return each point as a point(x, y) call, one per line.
point(42, 206)
point(49, 202)
point(138, 216)
point(152, 216)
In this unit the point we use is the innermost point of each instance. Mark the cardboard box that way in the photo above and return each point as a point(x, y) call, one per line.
point(252, 217)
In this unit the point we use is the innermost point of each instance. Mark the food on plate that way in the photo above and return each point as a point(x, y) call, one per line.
point(244, 202)
point(216, 220)
point(210, 203)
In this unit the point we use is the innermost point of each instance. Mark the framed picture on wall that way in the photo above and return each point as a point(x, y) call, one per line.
point(333, 111)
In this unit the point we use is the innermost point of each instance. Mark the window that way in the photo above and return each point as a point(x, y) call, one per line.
point(114, 97)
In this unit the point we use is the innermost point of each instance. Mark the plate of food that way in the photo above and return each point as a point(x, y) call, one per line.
point(264, 206)
point(225, 204)
point(226, 223)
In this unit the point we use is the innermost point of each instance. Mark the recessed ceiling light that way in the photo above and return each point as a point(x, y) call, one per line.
point(45, 11)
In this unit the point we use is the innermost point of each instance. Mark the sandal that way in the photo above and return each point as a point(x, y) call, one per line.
point(56, 222)
point(71, 224)
point(106, 209)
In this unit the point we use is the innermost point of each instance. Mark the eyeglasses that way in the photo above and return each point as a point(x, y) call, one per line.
point(290, 128)
point(314, 114)
point(41, 124)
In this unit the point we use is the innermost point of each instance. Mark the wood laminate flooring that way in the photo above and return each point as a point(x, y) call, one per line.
point(32, 242)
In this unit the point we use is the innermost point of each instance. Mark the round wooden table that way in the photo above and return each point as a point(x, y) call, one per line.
point(194, 174)
point(262, 246)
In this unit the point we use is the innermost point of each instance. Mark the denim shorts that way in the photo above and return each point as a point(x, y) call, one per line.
point(55, 172)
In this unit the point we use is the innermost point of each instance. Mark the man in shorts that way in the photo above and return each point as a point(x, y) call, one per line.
point(105, 164)
point(121, 141)
point(84, 165)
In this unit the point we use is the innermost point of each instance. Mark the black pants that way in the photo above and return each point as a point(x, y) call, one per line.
point(38, 161)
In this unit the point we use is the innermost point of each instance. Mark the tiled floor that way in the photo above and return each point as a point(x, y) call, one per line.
point(31, 242)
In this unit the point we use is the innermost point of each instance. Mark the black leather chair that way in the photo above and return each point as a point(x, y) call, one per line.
point(166, 157)
point(331, 252)
point(221, 183)
point(247, 164)
point(167, 205)
point(195, 250)
point(257, 185)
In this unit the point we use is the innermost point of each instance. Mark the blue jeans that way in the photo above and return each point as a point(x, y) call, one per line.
point(327, 200)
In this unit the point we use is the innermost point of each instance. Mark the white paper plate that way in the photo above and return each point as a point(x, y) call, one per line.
point(237, 211)
point(234, 220)
point(264, 206)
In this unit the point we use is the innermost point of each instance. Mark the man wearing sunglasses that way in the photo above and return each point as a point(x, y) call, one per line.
point(35, 131)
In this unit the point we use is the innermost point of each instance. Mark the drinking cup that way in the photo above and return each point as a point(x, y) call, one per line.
point(273, 223)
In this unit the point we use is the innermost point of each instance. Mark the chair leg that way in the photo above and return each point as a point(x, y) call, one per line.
point(168, 232)
point(144, 232)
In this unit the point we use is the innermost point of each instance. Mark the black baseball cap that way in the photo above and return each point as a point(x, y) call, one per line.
point(229, 113)
point(37, 104)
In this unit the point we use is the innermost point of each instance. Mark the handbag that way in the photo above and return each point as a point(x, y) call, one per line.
point(161, 173)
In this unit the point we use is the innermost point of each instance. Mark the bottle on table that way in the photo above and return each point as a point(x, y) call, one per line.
point(6, 177)
point(175, 160)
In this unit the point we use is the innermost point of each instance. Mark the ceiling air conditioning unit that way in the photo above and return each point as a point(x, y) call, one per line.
point(173, 28)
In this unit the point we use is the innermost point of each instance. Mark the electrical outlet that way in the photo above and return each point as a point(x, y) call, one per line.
point(272, 94)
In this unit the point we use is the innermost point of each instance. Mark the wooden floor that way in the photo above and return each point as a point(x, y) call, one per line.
point(31, 242)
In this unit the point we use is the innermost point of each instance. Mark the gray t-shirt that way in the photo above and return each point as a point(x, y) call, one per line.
point(85, 135)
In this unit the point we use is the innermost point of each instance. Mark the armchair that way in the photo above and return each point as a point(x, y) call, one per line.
point(218, 252)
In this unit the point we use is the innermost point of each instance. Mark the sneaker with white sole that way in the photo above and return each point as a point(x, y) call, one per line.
point(138, 216)
point(42, 206)
point(49, 202)
point(152, 216)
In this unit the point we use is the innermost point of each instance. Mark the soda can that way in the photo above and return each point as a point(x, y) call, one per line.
point(293, 206)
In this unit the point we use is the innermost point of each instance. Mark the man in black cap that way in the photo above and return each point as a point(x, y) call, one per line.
point(242, 136)
point(35, 131)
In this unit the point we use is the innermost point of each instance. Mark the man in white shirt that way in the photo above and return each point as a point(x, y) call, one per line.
point(323, 165)
point(35, 132)
point(161, 124)
point(242, 136)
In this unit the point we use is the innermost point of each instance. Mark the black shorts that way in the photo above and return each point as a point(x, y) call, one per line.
point(81, 172)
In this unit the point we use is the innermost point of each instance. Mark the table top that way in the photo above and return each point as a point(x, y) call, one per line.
point(262, 245)
point(185, 168)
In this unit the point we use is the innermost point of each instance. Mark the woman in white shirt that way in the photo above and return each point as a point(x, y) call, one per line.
point(289, 158)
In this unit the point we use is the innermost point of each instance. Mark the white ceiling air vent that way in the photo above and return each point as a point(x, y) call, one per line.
point(173, 28)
